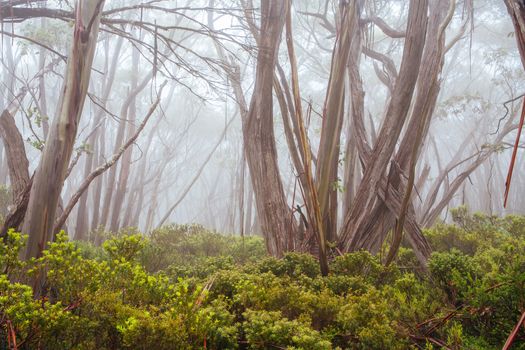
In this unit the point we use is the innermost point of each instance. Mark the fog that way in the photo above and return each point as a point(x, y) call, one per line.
point(188, 163)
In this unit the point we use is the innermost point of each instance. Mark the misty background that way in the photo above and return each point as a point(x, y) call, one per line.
point(189, 158)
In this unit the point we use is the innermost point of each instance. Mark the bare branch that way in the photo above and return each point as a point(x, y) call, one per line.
point(101, 169)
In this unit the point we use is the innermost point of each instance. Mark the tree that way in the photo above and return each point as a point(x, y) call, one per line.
point(258, 131)
point(384, 191)
point(50, 174)
point(356, 116)
point(516, 11)
point(101, 169)
point(82, 217)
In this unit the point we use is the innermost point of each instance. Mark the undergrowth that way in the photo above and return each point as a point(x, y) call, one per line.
point(184, 287)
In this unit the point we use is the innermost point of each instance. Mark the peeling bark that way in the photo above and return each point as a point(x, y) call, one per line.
point(258, 131)
point(328, 154)
point(396, 115)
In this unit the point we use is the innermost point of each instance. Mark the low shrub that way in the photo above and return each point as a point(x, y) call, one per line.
point(189, 288)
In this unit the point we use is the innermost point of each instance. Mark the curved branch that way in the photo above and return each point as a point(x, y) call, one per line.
point(385, 28)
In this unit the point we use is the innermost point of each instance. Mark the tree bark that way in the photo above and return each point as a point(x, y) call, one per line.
point(15, 153)
point(328, 154)
point(426, 98)
point(395, 118)
point(516, 9)
point(50, 174)
point(258, 133)
point(3, 165)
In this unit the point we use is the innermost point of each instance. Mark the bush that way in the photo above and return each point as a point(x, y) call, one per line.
point(365, 265)
point(368, 322)
point(454, 272)
point(269, 330)
point(184, 246)
point(188, 288)
point(292, 265)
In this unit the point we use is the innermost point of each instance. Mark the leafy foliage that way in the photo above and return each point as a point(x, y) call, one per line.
point(188, 288)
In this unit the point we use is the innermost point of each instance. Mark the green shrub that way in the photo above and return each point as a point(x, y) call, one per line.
point(365, 265)
point(292, 265)
point(367, 321)
point(269, 330)
point(447, 237)
point(10, 248)
point(453, 272)
point(180, 246)
point(189, 288)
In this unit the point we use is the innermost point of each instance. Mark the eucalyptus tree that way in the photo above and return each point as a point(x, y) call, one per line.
point(358, 118)
point(159, 44)
point(382, 170)
point(376, 160)
point(51, 172)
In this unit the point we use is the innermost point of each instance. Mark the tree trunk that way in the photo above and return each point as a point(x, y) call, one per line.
point(241, 194)
point(154, 201)
point(17, 162)
point(196, 177)
point(249, 205)
point(50, 174)
point(396, 115)
point(328, 154)
point(428, 87)
point(42, 103)
point(258, 133)
point(516, 10)
point(87, 181)
point(119, 139)
point(125, 164)
point(3, 165)
point(97, 188)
